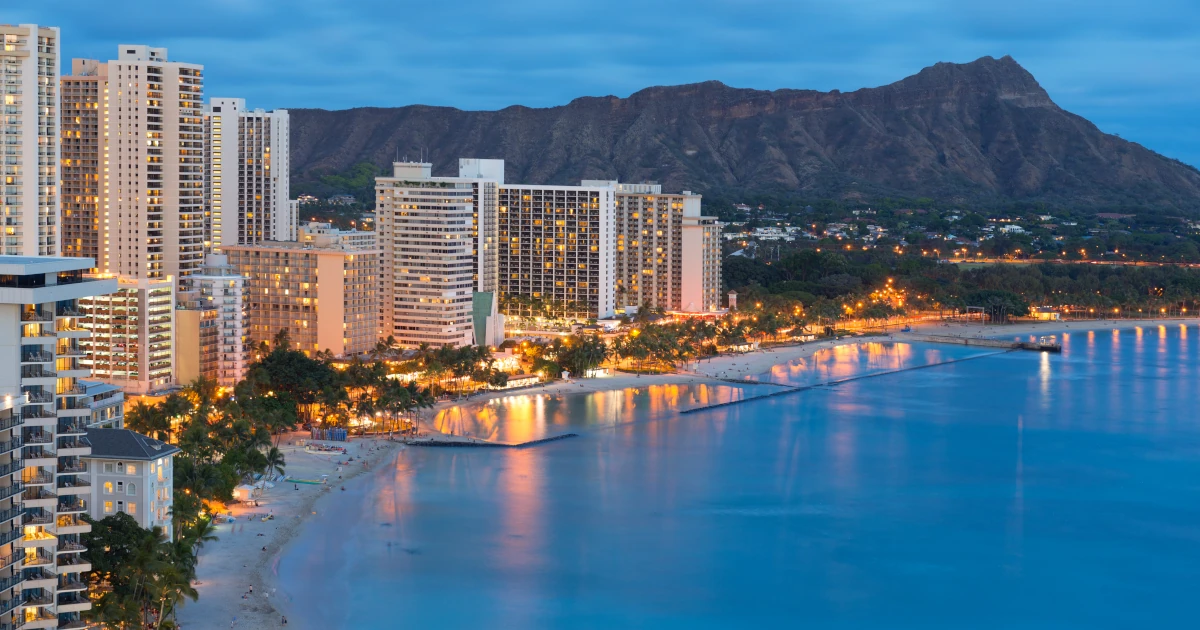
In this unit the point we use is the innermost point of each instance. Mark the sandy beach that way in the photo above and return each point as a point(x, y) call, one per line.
point(249, 548)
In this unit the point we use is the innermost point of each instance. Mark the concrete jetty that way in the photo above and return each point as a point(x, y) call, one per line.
point(1047, 346)
point(840, 381)
point(484, 444)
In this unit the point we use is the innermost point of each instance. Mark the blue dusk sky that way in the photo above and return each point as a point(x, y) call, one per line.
point(1131, 67)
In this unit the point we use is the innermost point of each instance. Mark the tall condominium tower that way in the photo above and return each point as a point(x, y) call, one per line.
point(668, 255)
point(45, 410)
point(153, 180)
point(29, 136)
point(438, 241)
point(557, 250)
point(246, 175)
point(84, 112)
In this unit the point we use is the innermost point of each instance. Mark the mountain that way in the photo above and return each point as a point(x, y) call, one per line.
point(984, 130)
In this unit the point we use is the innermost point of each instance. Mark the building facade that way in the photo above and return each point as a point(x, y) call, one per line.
point(211, 326)
point(438, 243)
point(84, 110)
point(667, 254)
point(29, 62)
point(246, 175)
point(131, 473)
point(132, 342)
point(106, 404)
point(557, 250)
point(151, 165)
point(322, 290)
point(44, 413)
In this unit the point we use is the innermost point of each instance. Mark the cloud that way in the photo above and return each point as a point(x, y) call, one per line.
point(1129, 67)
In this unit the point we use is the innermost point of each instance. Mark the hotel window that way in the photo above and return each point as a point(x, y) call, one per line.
point(120, 506)
point(120, 487)
point(131, 490)
point(108, 487)
point(108, 507)
point(108, 467)
point(132, 508)
point(131, 469)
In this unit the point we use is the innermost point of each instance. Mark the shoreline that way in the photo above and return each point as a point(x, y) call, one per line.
point(220, 585)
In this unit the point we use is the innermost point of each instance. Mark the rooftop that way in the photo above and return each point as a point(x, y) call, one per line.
point(126, 444)
point(29, 265)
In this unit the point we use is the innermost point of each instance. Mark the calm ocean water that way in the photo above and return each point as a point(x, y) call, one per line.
point(1018, 490)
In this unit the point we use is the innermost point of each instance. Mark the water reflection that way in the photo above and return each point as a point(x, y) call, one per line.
point(525, 417)
point(941, 497)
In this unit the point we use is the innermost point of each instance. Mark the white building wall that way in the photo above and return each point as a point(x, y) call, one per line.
point(155, 143)
point(29, 139)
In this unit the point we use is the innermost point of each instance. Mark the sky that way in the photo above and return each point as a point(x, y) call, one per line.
point(1131, 67)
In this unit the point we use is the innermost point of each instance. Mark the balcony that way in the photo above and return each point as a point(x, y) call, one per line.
point(72, 468)
point(78, 484)
point(67, 546)
point(36, 316)
point(33, 495)
point(40, 478)
point(9, 446)
point(10, 582)
point(68, 585)
point(37, 357)
point(38, 559)
point(13, 490)
point(72, 428)
point(40, 397)
point(38, 437)
point(67, 507)
point(38, 517)
point(39, 599)
point(73, 564)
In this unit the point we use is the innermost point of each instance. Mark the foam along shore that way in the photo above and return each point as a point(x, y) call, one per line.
point(229, 566)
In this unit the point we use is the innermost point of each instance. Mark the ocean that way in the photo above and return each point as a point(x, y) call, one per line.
point(990, 490)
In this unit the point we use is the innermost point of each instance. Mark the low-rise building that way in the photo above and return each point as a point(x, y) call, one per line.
point(131, 473)
point(211, 326)
point(131, 340)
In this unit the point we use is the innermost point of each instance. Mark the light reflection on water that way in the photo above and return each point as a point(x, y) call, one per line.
point(524, 417)
point(1018, 490)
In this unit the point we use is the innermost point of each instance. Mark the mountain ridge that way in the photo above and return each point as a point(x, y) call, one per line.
point(979, 131)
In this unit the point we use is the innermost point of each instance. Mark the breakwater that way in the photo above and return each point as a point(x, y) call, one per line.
point(835, 382)
point(482, 444)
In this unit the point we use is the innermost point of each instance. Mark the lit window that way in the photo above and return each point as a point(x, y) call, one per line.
point(108, 507)
point(108, 487)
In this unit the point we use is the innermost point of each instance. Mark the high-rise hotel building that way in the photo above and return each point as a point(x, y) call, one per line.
point(134, 181)
point(246, 175)
point(438, 240)
point(153, 157)
point(84, 112)
point(29, 62)
point(558, 250)
point(668, 255)
point(45, 410)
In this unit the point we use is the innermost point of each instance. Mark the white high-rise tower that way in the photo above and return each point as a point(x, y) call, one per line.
point(246, 175)
point(29, 61)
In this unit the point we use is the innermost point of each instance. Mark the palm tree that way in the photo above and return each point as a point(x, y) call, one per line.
point(275, 460)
